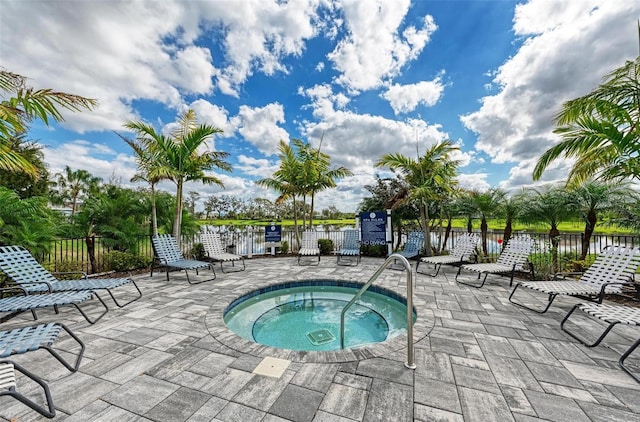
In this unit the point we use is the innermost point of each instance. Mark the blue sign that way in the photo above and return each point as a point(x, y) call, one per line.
point(273, 233)
point(373, 226)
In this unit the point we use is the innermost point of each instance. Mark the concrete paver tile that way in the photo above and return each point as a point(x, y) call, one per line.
point(389, 401)
point(480, 406)
point(345, 401)
point(140, 394)
point(431, 414)
point(441, 395)
point(297, 404)
point(556, 408)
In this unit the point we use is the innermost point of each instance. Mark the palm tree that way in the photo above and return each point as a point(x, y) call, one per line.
point(592, 198)
point(551, 206)
point(429, 178)
point(24, 105)
point(285, 180)
point(510, 209)
point(180, 158)
point(316, 172)
point(601, 130)
point(149, 169)
point(486, 204)
point(73, 184)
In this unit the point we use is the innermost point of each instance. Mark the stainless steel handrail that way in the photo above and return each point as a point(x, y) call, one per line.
point(410, 363)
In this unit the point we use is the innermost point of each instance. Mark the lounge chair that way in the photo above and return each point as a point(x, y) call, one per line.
point(168, 255)
point(23, 269)
point(514, 257)
point(611, 314)
point(27, 339)
point(350, 248)
point(22, 302)
point(464, 251)
point(8, 387)
point(42, 336)
point(613, 268)
point(309, 246)
point(410, 250)
point(214, 250)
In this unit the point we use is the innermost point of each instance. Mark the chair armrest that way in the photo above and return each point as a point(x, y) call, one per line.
point(616, 283)
point(15, 289)
point(564, 275)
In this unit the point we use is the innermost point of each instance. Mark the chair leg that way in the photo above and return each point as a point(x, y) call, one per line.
point(581, 340)
point(132, 300)
point(435, 267)
point(76, 365)
point(484, 280)
point(552, 296)
point(202, 281)
point(106, 309)
point(626, 355)
point(49, 411)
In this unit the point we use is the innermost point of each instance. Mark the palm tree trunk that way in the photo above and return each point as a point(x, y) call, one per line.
point(154, 213)
point(177, 221)
point(508, 229)
point(483, 231)
point(295, 223)
point(424, 216)
point(554, 236)
point(447, 232)
point(90, 240)
point(589, 227)
point(311, 215)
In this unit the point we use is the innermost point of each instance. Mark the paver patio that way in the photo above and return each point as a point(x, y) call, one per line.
point(169, 357)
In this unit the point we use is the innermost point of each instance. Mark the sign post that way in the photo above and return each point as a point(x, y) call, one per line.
point(273, 237)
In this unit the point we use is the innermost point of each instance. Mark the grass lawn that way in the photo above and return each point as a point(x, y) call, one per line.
point(495, 224)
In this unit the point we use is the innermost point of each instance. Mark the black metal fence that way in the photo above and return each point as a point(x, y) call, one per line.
point(71, 254)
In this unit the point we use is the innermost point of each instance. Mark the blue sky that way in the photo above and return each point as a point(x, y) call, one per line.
point(373, 76)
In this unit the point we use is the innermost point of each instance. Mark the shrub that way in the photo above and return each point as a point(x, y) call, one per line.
point(326, 246)
point(284, 248)
point(374, 250)
point(124, 261)
point(198, 252)
point(73, 267)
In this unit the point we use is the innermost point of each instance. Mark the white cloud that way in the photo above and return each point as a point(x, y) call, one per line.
point(405, 98)
point(357, 141)
point(259, 126)
point(214, 115)
point(473, 181)
point(258, 167)
point(569, 47)
point(373, 50)
point(258, 34)
point(98, 159)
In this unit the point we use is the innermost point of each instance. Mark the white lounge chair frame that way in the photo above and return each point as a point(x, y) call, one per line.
point(514, 257)
point(349, 249)
point(214, 250)
point(309, 246)
point(464, 251)
point(612, 315)
point(613, 268)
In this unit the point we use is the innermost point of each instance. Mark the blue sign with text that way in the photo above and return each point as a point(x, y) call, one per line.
point(273, 233)
point(373, 226)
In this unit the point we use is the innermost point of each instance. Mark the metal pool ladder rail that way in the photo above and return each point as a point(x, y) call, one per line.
point(410, 363)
